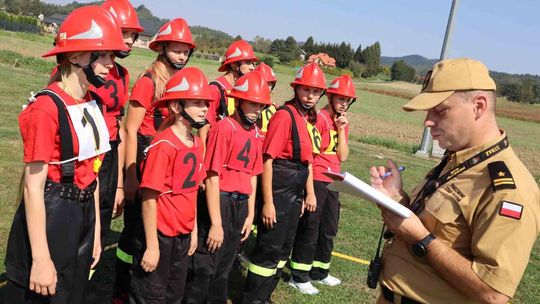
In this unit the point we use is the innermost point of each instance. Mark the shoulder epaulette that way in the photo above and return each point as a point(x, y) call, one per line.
point(501, 178)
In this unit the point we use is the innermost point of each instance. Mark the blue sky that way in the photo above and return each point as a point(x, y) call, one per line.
point(505, 35)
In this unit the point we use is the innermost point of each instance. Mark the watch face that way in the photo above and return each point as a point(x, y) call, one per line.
point(419, 250)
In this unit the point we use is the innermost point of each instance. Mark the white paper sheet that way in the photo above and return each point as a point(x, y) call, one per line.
point(348, 183)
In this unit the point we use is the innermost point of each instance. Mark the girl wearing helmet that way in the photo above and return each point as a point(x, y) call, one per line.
point(239, 60)
point(55, 238)
point(233, 160)
point(114, 94)
point(271, 79)
point(287, 182)
point(174, 45)
point(172, 172)
point(310, 259)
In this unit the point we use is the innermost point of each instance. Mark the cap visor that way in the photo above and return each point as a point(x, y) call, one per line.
point(426, 101)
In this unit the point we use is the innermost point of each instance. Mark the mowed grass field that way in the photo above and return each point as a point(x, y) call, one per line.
point(375, 118)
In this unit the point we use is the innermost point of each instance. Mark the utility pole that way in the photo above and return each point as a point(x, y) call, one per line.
point(426, 137)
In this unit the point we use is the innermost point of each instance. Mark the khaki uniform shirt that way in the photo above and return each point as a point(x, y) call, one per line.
point(478, 216)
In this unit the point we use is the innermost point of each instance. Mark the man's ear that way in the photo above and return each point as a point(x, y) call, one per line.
point(481, 105)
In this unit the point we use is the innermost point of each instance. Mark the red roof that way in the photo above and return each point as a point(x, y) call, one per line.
point(322, 59)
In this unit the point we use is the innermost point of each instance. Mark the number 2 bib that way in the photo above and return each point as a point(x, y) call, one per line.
point(186, 172)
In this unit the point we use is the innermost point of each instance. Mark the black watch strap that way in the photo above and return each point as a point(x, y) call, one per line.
point(420, 248)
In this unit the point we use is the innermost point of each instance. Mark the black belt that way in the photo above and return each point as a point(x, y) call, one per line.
point(235, 195)
point(291, 164)
point(71, 192)
point(388, 295)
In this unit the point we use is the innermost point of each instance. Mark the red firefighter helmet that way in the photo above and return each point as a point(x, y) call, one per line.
point(343, 85)
point(237, 51)
point(176, 30)
point(266, 71)
point(124, 13)
point(252, 87)
point(310, 75)
point(88, 28)
point(187, 83)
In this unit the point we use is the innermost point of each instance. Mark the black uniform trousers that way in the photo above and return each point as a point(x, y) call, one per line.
point(274, 245)
point(108, 182)
point(208, 273)
point(166, 283)
point(314, 241)
point(70, 227)
point(132, 217)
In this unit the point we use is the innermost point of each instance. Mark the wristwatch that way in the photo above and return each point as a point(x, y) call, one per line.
point(420, 249)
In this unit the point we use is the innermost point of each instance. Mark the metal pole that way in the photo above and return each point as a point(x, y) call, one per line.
point(426, 137)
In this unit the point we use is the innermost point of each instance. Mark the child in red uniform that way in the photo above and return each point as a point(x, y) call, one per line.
point(239, 60)
point(174, 45)
point(310, 259)
point(287, 182)
point(56, 229)
point(271, 79)
point(233, 160)
point(172, 172)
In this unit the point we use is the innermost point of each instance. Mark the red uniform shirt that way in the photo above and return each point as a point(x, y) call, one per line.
point(39, 128)
point(212, 115)
point(114, 95)
point(327, 160)
point(175, 171)
point(143, 94)
point(235, 154)
point(278, 140)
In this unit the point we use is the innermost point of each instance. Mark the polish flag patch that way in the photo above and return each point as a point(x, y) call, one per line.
point(511, 210)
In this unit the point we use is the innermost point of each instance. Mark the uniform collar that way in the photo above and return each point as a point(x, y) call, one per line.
point(461, 156)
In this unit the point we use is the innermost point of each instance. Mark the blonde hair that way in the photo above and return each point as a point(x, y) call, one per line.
point(160, 75)
point(61, 73)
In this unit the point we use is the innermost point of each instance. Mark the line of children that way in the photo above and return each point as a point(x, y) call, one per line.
point(233, 160)
point(310, 259)
point(55, 235)
point(172, 171)
point(174, 45)
point(162, 224)
point(287, 182)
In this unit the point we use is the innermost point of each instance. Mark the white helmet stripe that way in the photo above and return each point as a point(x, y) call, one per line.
point(244, 87)
point(166, 31)
point(95, 32)
point(236, 53)
point(113, 12)
point(299, 74)
point(335, 85)
point(183, 86)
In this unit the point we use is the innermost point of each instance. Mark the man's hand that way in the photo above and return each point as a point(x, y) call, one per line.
point(119, 203)
point(410, 230)
point(193, 242)
point(150, 259)
point(391, 185)
point(311, 202)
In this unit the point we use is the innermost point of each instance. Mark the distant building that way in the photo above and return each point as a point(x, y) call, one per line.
point(51, 23)
point(322, 59)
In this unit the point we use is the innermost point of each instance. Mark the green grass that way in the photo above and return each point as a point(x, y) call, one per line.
point(376, 120)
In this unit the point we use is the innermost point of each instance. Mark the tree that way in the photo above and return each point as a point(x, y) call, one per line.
point(238, 37)
point(358, 54)
point(371, 57)
point(261, 45)
point(309, 45)
point(401, 71)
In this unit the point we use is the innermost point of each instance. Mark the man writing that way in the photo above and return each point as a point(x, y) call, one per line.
point(476, 215)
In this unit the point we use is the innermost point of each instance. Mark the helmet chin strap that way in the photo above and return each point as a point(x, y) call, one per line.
point(176, 66)
point(195, 124)
point(245, 120)
point(93, 79)
point(122, 54)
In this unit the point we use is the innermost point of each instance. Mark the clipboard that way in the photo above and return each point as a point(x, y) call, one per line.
point(350, 184)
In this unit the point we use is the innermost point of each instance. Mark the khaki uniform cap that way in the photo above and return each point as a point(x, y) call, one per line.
point(447, 77)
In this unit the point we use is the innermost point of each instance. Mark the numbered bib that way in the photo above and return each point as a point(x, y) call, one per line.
point(265, 116)
point(187, 170)
point(333, 145)
point(243, 154)
point(90, 128)
point(315, 138)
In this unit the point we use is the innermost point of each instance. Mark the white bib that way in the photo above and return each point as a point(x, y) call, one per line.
point(90, 128)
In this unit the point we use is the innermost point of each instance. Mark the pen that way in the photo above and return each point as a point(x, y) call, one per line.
point(387, 174)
